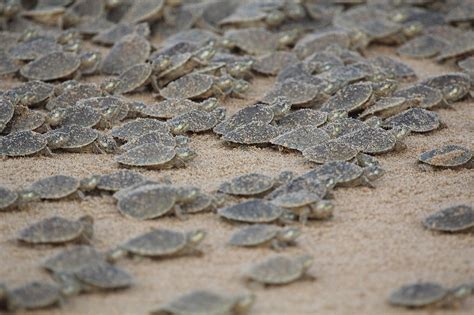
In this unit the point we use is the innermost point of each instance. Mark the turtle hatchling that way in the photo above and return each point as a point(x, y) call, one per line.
point(119, 180)
point(174, 107)
point(447, 156)
point(453, 86)
point(154, 201)
point(33, 93)
point(298, 93)
point(7, 109)
point(252, 133)
point(301, 138)
point(375, 140)
point(252, 211)
point(128, 51)
point(138, 127)
point(302, 117)
point(207, 302)
point(11, 199)
point(198, 120)
point(23, 143)
point(265, 234)
point(82, 139)
point(453, 219)
point(160, 243)
point(157, 137)
point(58, 230)
point(280, 270)
point(253, 184)
point(272, 63)
point(416, 119)
point(30, 296)
point(55, 187)
point(72, 259)
point(333, 150)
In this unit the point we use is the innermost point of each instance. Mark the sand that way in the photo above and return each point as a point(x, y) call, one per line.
point(374, 243)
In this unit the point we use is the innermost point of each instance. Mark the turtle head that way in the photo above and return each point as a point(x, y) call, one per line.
point(27, 98)
point(187, 193)
point(288, 38)
point(289, 234)
point(219, 113)
point(196, 237)
point(161, 63)
point(107, 143)
point(453, 92)
point(400, 132)
point(284, 177)
point(240, 86)
point(73, 47)
point(412, 29)
point(373, 172)
point(26, 196)
point(209, 105)
point(110, 4)
point(57, 139)
point(462, 291)
point(181, 141)
point(280, 106)
point(385, 87)
point(178, 127)
point(322, 210)
point(225, 83)
point(306, 261)
point(274, 18)
point(56, 116)
point(69, 285)
point(90, 60)
point(240, 68)
point(89, 183)
point(65, 86)
point(185, 153)
point(244, 303)
point(109, 85)
point(206, 53)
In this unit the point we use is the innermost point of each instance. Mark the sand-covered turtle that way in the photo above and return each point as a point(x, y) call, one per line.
point(160, 243)
point(58, 230)
point(174, 107)
point(252, 211)
point(12, 199)
point(279, 269)
point(128, 51)
point(72, 259)
point(429, 294)
point(298, 93)
point(25, 119)
point(112, 34)
point(156, 155)
point(351, 98)
point(34, 48)
point(302, 117)
point(394, 69)
point(255, 113)
point(144, 11)
point(447, 156)
point(55, 187)
point(7, 109)
point(322, 61)
point(253, 184)
point(255, 132)
point(33, 93)
point(265, 234)
point(153, 201)
point(99, 276)
point(305, 205)
point(301, 138)
point(140, 126)
point(317, 41)
point(333, 150)
point(206, 302)
point(416, 119)
point(452, 219)
point(271, 63)
point(426, 96)
point(388, 106)
point(131, 79)
point(30, 296)
point(458, 47)
point(453, 86)
point(118, 180)
point(71, 92)
point(421, 47)
point(23, 143)
point(79, 114)
point(156, 137)
point(199, 120)
point(302, 183)
point(82, 139)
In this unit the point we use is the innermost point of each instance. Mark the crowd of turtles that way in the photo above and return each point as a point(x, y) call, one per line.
point(329, 102)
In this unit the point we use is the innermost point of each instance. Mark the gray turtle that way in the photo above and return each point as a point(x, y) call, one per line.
point(458, 46)
point(156, 137)
point(81, 139)
point(79, 114)
point(8, 65)
point(394, 69)
point(255, 133)
point(421, 47)
point(113, 34)
point(255, 113)
point(30, 296)
point(7, 109)
point(333, 150)
point(252, 211)
point(453, 86)
point(342, 126)
point(301, 138)
point(447, 156)
point(144, 11)
point(56, 187)
point(280, 270)
point(273, 62)
point(305, 205)
point(71, 92)
point(160, 243)
point(265, 234)
point(128, 51)
point(154, 201)
point(119, 180)
point(199, 121)
point(33, 93)
point(156, 155)
point(57, 230)
point(10, 199)
point(253, 184)
point(139, 127)
point(23, 143)
point(388, 106)
point(298, 93)
point(375, 140)
point(72, 259)
point(131, 79)
point(351, 98)
point(452, 219)
point(322, 61)
point(173, 107)
point(206, 302)
point(416, 119)
point(34, 48)
point(318, 41)
point(426, 96)
point(25, 119)
point(302, 117)
point(111, 109)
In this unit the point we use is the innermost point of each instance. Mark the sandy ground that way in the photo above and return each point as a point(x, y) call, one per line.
point(374, 243)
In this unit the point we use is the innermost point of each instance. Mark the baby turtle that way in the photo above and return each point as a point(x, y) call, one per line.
point(198, 120)
point(10, 199)
point(79, 114)
point(453, 86)
point(174, 107)
point(160, 243)
point(375, 140)
point(333, 150)
point(252, 133)
point(421, 47)
point(119, 180)
point(252, 184)
point(81, 139)
point(73, 259)
point(305, 205)
point(53, 66)
point(416, 119)
point(302, 117)
point(279, 270)
point(132, 78)
point(301, 138)
point(272, 63)
point(265, 234)
point(71, 92)
point(33, 93)
point(342, 126)
point(94, 277)
point(318, 41)
point(55, 187)
point(156, 155)
point(453, 219)
point(312, 184)
point(298, 93)
point(25, 119)
point(426, 96)
point(207, 302)
point(254, 41)
point(23, 143)
point(156, 137)
point(113, 34)
point(394, 69)
point(447, 156)
point(141, 126)
point(153, 201)
point(34, 48)
point(351, 98)
point(144, 11)
point(255, 113)
point(128, 51)
point(7, 109)
point(57, 230)
point(30, 296)
point(388, 106)
point(252, 211)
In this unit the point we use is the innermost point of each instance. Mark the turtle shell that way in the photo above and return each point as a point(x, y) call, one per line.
point(6, 112)
point(139, 127)
point(351, 98)
point(301, 138)
point(446, 156)
point(395, 69)
point(420, 47)
point(258, 113)
point(53, 66)
point(143, 11)
point(319, 41)
point(343, 126)
point(252, 133)
point(147, 202)
point(339, 171)
point(452, 219)
point(72, 259)
point(254, 235)
point(200, 120)
point(388, 106)
point(34, 295)
point(74, 94)
point(7, 198)
point(80, 115)
point(147, 155)
point(34, 48)
point(133, 78)
point(276, 270)
point(191, 86)
point(157, 137)
point(159, 242)
point(22, 143)
point(370, 140)
point(454, 86)
point(55, 187)
point(300, 183)
point(201, 203)
point(333, 150)
point(252, 211)
point(302, 117)
point(25, 119)
point(128, 51)
point(169, 108)
point(119, 180)
point(53, 230)
point(104, 276)
point(253, 41)
point(37, 92)
point(427, 96)
point(416, 119)
point(107, 105)
point(79, 137)
point(272, 63)
point(247, 185)
point(298, 93)
point(8, 65)
point(295, 199)
point(418, 295)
